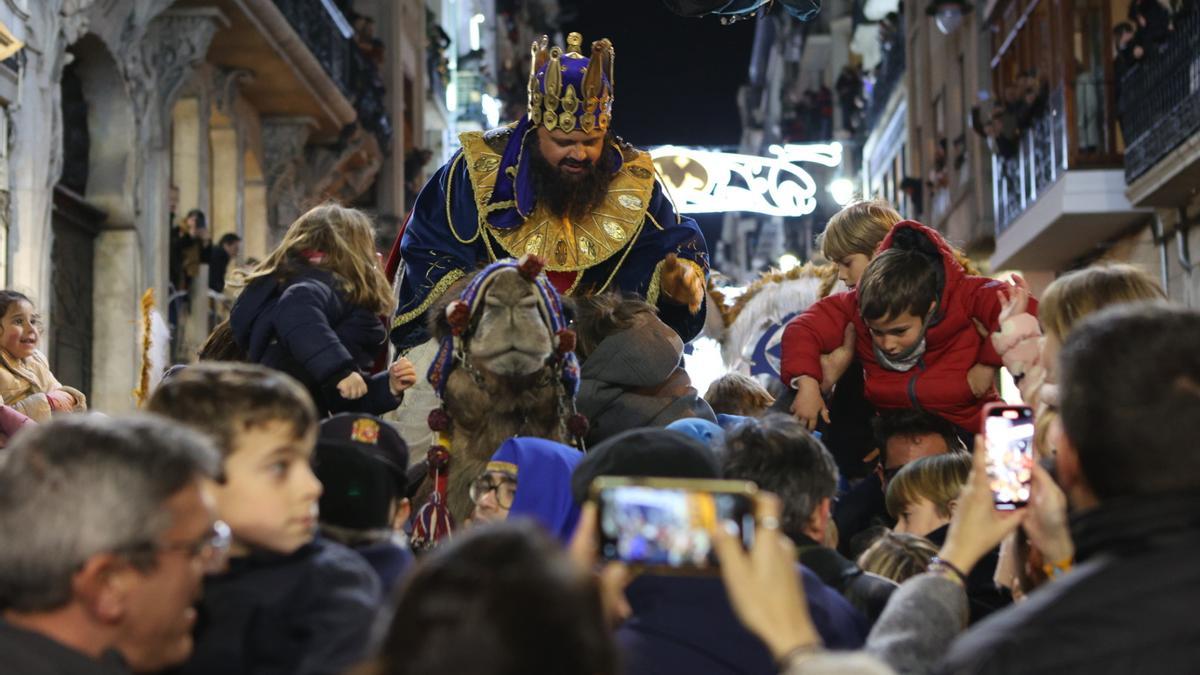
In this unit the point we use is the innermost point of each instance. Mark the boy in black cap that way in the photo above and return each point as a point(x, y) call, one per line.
point(361, 461)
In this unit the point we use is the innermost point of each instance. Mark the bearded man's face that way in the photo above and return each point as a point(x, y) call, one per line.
point(571, 171)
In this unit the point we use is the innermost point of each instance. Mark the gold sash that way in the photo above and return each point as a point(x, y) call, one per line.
point(566, 246)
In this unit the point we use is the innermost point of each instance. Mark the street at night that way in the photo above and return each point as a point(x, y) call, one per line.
point(599, 337)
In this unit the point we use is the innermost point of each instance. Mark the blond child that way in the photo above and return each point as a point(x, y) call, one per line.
point(924, 494)
point(289, 602)
point(26, 383)
point(313, 309)
point(738, 394)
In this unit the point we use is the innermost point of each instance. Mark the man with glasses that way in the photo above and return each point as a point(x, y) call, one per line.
point(107, 532)
point(492, 493)
point(901, 437)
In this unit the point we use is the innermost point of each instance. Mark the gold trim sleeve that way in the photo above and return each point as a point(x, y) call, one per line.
point(434, 293)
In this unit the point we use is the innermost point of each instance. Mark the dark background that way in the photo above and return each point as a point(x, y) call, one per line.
point(676, 78)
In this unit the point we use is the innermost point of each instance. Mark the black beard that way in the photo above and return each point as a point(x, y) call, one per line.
point(572, 197)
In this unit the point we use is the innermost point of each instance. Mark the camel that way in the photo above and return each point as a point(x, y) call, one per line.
point(505, 367)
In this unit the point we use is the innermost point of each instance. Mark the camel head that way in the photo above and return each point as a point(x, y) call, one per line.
point(511, 336)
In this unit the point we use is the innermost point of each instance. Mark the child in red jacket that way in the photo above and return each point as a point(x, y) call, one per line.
point(913, 314)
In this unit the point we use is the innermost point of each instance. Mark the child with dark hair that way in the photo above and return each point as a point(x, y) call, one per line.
point(26, 383)
point(914, 313)
point(362, 464)
point(289, 602)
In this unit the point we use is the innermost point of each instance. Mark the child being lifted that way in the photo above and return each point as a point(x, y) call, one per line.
point(915, 314)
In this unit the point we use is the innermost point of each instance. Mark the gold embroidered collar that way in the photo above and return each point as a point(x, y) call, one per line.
point(566, 246)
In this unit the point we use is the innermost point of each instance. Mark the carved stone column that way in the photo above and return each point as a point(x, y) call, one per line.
point(285, 171)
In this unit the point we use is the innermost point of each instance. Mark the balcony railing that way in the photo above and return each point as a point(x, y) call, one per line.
point(330, 38)
point(1160, 98)
point(1041, 157)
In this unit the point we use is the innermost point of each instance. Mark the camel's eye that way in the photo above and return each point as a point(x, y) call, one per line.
point(528, 302)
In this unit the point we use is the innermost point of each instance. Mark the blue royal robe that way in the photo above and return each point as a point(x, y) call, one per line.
point(620, 248)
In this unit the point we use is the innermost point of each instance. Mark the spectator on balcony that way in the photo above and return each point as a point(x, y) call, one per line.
point(1129, 50)
point(849, 89)
point(364, 37)
point(1153, 20)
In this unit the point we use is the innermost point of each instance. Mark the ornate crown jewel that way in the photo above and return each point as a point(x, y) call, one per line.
point(568, 91)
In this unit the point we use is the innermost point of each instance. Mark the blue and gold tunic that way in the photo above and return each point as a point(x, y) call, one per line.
point(459, 225)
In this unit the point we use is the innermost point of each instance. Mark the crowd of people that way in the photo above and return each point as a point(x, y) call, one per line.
point(253, 519)
point(266, 514)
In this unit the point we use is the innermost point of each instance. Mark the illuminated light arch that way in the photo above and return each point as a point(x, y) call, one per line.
point(706, 181)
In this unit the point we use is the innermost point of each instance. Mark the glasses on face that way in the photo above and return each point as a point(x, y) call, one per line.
point(211, 548)
point(505, 487)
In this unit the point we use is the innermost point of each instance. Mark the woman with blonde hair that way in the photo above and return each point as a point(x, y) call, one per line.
point(1029, 346)
point(898, 556)
point(313, 309)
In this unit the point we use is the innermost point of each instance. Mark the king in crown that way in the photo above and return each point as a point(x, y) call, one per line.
point(558, 184)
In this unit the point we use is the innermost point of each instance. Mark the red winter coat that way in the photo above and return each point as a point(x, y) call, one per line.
point(938, 383)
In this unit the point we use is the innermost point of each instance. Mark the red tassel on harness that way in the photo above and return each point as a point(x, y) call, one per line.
point(433, 521)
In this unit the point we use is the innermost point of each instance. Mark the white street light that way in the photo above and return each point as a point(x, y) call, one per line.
point(788, 262)
point(842, 191)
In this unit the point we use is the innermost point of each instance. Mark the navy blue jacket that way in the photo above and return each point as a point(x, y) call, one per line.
point(390, 561)
point(308, 613)
point(303, 325)
point(686, 625)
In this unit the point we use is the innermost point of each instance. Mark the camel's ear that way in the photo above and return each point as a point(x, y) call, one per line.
point(439, 327)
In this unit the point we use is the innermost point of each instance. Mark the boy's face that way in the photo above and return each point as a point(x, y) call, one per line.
point(851, 268)
point(895, 335)
point(919, 517)
point(269, 498)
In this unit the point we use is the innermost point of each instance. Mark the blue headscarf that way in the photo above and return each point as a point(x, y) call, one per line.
point(543, 469)
point(702, 430)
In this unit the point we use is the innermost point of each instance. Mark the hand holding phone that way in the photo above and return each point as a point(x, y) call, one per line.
point(667, 524)
point(1008, 433)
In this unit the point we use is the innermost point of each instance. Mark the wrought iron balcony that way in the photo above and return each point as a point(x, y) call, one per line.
point(1160, 98)
point(330, 37)
point(1040, 158)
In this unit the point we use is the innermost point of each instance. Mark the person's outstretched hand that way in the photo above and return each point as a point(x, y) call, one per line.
point(763, 585)
point(1046, 520)
point(402, 374)
point(836, 363)
point(1014, 299)
point(682, 283)
point(976, 526)
point(352, 387)
point(612, 578)
point(809, 406)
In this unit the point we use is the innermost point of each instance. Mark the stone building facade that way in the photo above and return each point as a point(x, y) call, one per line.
point(252, 109)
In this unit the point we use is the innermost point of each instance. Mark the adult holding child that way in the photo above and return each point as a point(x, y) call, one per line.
point(313, 309)
point(913, 315)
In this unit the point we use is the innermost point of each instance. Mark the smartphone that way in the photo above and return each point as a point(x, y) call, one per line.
point(1008, 433)
point(665, 525)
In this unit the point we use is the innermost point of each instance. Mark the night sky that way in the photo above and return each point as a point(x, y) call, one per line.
point(676, 78)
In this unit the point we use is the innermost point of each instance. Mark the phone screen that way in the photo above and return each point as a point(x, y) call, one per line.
point(670, 527)
point(1009, 432)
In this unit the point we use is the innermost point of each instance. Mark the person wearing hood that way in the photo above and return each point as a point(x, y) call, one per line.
point(529, 478)
point(631, 375)
point(914, 312)
point(684, 624)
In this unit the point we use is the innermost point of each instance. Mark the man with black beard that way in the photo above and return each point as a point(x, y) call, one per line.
point(557, 184)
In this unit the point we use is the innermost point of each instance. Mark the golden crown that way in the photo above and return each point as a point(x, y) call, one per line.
point(568, 91)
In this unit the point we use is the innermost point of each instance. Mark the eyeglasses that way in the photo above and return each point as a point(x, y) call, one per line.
point(211, 549)
point(505, 487)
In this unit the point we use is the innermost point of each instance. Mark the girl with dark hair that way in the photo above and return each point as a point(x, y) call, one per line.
point(26, 383)
point(500, 600)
